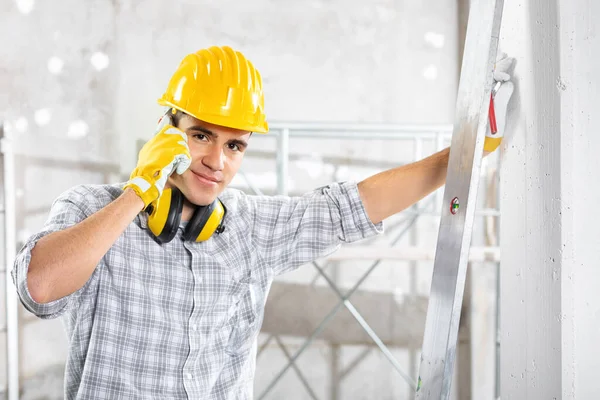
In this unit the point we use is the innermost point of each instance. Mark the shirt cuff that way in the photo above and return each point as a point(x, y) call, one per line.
point(19, 274)
point(356, 223)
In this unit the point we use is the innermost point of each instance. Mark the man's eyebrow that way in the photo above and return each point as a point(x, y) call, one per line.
point(208, 132)
point(203, 130)
point(239, 142)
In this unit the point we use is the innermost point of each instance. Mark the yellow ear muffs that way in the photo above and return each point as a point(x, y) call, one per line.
point(205, 221)
point(164, 215)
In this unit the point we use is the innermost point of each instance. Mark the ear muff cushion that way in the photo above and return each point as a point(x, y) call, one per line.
point(197, 222)
point(165, 216)
point(214, 222)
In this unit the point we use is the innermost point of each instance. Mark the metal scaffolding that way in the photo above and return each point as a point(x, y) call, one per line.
point(441, 135)
point(11, 326)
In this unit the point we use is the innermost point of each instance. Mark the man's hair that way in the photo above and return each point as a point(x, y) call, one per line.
point(177, 117)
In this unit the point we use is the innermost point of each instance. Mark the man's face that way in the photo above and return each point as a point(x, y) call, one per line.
point(217, 154)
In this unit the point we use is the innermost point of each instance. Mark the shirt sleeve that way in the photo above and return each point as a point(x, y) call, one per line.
point(67, 210)
point(291, 231)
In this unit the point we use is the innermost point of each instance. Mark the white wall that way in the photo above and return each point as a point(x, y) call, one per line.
point(581, 126)
point(550, 302)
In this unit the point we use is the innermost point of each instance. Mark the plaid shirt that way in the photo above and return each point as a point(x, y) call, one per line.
point(180, 320)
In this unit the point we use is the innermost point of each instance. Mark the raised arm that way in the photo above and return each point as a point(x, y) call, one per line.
point(63, 261)
point(391, 191)
point(65, 257)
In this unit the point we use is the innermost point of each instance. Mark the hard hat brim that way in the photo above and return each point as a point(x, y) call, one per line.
point(219, 119)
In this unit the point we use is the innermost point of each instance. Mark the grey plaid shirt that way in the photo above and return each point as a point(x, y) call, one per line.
point(180, 320)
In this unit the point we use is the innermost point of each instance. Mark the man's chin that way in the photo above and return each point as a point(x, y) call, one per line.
point(199, 200)
point(207, 197)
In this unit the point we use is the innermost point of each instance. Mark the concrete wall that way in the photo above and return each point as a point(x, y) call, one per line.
point(580, 128)
point(550, 303)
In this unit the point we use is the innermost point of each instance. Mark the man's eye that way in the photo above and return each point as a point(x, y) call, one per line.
point(234, 147)
point(199, 136)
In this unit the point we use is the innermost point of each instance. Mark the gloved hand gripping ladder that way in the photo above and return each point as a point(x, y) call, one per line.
point(456, 225)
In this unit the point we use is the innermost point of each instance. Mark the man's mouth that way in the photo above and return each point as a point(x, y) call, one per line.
point(206, 179)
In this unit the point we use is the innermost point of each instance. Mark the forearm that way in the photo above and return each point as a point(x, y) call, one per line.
point(63, 261)
point(392, 191)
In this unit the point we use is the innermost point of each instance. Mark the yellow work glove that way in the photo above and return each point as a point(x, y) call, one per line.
point(494, 134)
point(165, 153)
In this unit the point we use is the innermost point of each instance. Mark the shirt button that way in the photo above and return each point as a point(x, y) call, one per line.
point(195, 327)
point(189, 376)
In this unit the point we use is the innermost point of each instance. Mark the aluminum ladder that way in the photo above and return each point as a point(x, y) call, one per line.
point(460, 194)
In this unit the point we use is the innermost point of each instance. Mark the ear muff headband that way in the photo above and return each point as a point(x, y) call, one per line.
point(165, 215)
point(205, 221)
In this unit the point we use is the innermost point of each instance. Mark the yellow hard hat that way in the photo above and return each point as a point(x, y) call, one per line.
point(220, 86)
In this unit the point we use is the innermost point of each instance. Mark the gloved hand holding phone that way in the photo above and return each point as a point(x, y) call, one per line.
point(165, 153)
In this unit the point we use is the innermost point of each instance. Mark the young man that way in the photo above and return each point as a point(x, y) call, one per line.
point(162, 281)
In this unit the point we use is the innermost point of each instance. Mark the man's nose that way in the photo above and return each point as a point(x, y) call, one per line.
point(215, 158)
